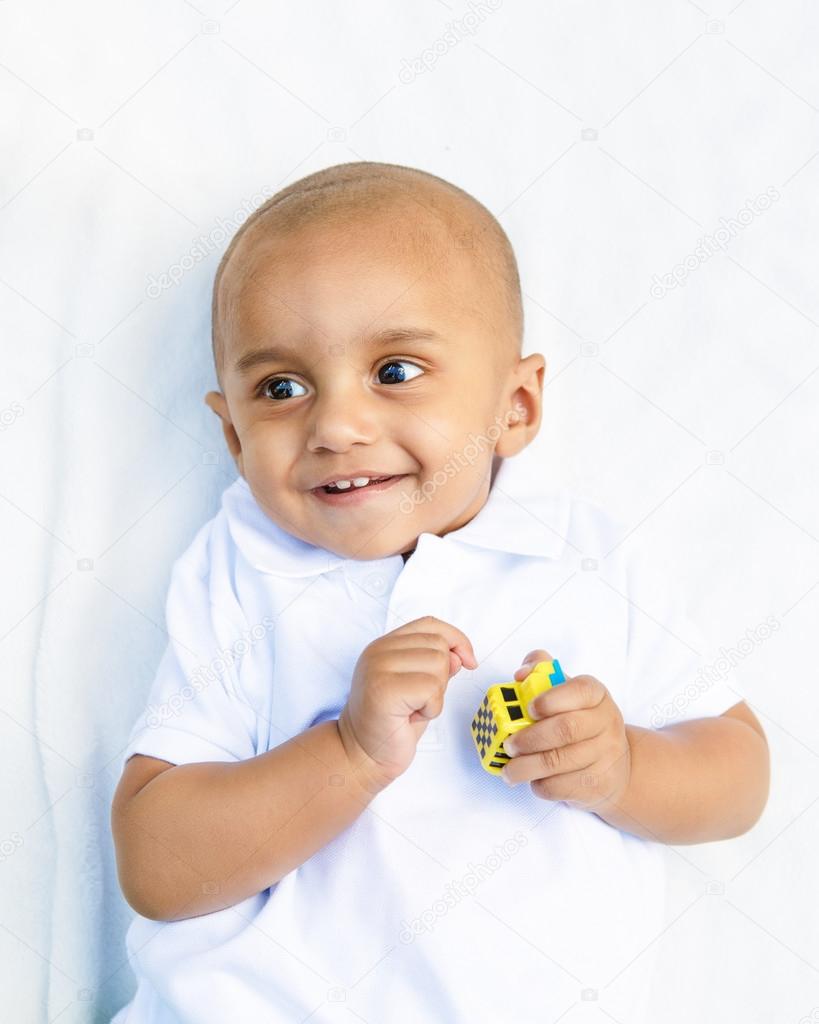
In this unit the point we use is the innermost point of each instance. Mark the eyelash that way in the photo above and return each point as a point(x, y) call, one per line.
point(260, 391)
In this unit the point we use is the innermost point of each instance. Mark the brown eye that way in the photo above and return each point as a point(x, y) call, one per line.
point(279, 388)
point(399, 376)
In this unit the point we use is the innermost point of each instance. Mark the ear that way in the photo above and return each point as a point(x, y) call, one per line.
point(524, 406)
point(217, 401)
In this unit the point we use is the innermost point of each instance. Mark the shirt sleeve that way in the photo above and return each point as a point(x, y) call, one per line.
point(670, 674)
point(196, 709)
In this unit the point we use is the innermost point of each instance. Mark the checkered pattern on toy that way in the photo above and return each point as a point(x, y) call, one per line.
point(484, 726)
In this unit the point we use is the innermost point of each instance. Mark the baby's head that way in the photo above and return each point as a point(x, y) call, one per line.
point(367, 321)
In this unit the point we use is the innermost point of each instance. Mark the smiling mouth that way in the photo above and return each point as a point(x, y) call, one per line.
point(353, 494)
point(331, 489)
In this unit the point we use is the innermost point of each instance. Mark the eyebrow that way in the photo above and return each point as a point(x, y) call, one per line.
point(271, 354)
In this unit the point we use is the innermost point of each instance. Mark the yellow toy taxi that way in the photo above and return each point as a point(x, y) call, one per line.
point(504, 710)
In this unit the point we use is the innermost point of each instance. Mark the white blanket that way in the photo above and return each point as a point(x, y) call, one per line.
point(610, 142)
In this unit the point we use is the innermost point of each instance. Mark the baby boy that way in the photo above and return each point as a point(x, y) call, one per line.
point(303, 826)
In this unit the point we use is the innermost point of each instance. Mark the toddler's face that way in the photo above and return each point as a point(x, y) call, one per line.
point(349, 355)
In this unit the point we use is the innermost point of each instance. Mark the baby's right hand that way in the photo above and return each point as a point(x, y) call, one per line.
point(398, 687)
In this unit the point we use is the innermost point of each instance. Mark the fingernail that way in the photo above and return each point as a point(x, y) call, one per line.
point(505, 778)
point(509, 747)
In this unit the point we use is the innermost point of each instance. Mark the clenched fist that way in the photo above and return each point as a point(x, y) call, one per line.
point(398, 686)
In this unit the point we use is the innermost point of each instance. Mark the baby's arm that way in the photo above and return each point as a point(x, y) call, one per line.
point(695, 781)
point(198, 837)
point(194, 838)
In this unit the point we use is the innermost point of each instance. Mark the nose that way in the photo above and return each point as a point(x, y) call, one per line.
point(342, 415)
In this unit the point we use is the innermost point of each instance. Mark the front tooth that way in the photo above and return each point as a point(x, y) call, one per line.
point(361, 481)
point(343, 484)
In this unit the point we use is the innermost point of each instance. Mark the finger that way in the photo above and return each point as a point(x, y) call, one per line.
point(529, 662)
point(576, 693)
point(561, 730)
point(413, 643)
point(457, 641)
point(547, 763)
point(431, 709)
point(574, 788)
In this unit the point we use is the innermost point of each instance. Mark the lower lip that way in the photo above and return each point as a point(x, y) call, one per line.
point(356, 495)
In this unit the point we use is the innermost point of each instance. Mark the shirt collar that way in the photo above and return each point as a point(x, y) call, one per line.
point(520, 517)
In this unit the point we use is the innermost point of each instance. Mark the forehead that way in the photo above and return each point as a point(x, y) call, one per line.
point(335, 281)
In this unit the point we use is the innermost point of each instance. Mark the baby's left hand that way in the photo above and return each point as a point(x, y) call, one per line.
point(578, 750)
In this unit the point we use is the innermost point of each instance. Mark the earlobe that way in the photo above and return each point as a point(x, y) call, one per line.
point(216, 401)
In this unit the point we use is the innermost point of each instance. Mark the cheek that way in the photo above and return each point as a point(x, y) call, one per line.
point(271, 434)
point(446, 423)
point(471, 427)
point(267, 454)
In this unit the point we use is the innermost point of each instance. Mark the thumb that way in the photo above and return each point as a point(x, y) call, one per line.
point(460, 655)
point(529, 662)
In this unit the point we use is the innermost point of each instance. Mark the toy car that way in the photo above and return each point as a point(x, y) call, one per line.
point(504, 711)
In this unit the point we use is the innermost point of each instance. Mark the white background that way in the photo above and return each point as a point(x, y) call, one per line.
point(609, 140)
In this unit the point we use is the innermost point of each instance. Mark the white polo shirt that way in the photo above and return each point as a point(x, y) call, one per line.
point(453, 897)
